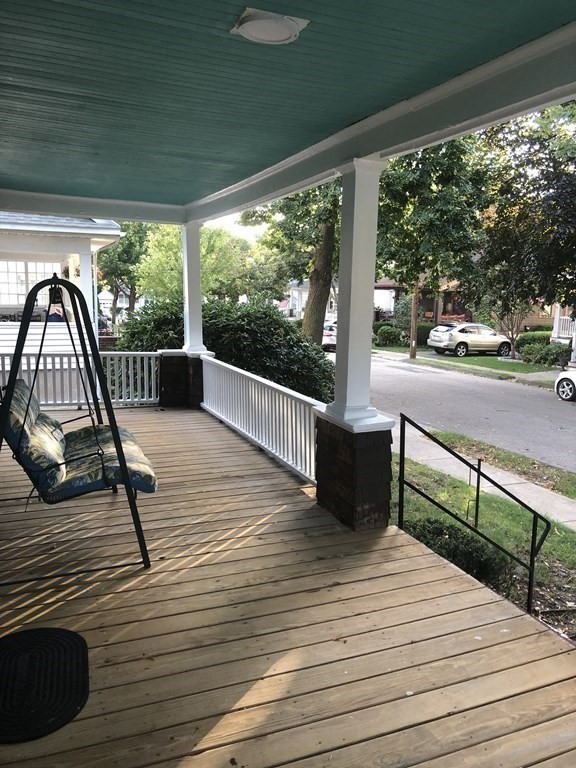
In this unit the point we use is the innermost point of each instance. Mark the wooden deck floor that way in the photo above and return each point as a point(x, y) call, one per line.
point(266, 635)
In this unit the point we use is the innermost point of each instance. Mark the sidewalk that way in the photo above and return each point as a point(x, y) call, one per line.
point(552, 505)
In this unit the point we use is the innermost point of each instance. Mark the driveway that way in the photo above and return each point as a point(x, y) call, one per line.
point(520, 418)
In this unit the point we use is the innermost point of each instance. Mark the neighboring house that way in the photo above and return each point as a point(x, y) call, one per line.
point(33, 248)
point(564, 328)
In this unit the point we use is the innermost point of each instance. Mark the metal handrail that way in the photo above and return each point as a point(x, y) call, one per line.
point(536, 541)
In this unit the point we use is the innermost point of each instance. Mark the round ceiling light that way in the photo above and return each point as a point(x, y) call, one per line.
point(268, 28)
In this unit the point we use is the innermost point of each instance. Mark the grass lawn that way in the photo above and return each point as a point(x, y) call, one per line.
point(491, 361)
point(510, 525)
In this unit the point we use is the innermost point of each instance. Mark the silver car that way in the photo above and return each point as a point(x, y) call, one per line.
point(461, 338)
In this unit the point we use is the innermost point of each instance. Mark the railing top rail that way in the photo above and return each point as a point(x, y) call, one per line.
point(113, 353)
point(260, 380)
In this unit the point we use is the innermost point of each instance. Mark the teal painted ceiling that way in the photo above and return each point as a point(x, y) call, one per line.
point(154, 100)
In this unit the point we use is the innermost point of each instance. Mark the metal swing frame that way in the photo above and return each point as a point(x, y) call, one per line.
point(85, 331)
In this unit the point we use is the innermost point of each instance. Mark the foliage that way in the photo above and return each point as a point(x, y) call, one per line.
point(253, 336)
point(380, 324)
point(532, 337)
point(403, 313)
point(257, 338)
point(422, 333)
point(545, 354)
point(429, 225)
point(118, 264)
point(389, 336)
point(160, 271)
point(531, 228)
point(158, 325)
point(466, 550)
point(303, 230)
point(230, 266)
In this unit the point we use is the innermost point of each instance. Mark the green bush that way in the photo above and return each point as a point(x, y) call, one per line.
point(466, 550)
point(545, 354)
point(388, 336)
point(532, 337)
point(159, 325)
point(253, 336)
point(380, 324)
point(422, 333)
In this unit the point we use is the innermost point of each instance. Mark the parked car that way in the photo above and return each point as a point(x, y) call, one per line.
point(565, 385)
point(329, 337)
point(461, 338)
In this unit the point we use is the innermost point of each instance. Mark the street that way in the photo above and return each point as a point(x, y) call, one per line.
point(517, 417)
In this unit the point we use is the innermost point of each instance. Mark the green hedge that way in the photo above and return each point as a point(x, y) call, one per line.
point(545, 354)
point(532, 337)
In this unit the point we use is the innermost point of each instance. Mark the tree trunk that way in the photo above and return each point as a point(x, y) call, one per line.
point(320, 282)
point(132, 299)
point(414, 320)
point(114, 308)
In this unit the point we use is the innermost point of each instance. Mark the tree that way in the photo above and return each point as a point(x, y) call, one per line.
point(303, 230)
point(531, 228)
point(118, 265)
point(429, 217)
point(224, 261)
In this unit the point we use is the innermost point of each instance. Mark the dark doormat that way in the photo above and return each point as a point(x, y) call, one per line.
point(43, 682)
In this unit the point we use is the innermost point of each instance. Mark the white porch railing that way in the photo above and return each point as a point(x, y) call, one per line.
point(132, 377)
point(566, 327)
point(277, 419)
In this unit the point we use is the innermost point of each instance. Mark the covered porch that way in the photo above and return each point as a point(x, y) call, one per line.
point(267, 634)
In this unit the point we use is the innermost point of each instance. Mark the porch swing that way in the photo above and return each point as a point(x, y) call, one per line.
point(92, 458)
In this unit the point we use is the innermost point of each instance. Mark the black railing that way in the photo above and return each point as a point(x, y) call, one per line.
point(536, 541)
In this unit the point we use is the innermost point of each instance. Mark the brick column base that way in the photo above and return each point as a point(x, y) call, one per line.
point(353, 474)
point(181, 381)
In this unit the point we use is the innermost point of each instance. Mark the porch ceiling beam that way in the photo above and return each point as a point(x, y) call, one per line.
point(529, 78)
point(90, 207)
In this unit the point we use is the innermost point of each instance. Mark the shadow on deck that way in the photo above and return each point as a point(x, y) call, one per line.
point(266, 634)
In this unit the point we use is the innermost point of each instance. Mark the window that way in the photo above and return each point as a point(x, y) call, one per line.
point(18, 277)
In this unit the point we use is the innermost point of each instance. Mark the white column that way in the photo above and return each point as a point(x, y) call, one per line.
point(86, 286)
point(193, 341)
point(360, 188)
point(556, 327)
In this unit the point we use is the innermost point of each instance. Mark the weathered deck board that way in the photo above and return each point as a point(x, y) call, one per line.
point(265, 634)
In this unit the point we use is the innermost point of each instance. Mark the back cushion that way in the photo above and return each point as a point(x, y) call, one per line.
point(35, 438)
point(23, 407)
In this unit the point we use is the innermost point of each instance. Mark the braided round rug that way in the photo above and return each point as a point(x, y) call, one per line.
point(43, 682)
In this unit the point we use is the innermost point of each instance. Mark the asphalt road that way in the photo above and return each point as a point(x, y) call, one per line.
point(520, 418)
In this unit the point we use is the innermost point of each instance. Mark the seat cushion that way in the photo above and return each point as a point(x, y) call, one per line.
point(87, 470)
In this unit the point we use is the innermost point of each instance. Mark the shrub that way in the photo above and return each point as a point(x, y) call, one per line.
point(388, 336)
point(159, 325)
point(532, 337)
point(545, 354)
point(422, 333)
point(253, 336)
point(380, 324)
point(466, 550)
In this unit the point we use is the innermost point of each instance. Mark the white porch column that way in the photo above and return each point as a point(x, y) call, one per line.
point(556, 327)
point(86, 286)
point(193, 341)
point(360, 187)
point(354, 441)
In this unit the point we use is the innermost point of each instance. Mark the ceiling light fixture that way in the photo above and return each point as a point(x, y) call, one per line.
point(268, 28)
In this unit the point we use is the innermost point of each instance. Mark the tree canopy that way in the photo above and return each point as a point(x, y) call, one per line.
point(118, 265)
